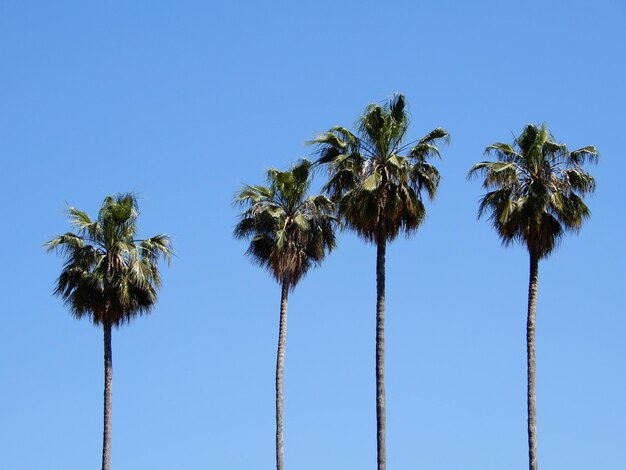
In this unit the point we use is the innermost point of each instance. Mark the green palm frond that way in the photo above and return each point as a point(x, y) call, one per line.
point(156, 247)
point(504, 152)
point(424, 176)
point(80, 220)
point(423, 151)
point(496, 174)
point(331, 138)
point(579, 181)
point(584, 155)
point(426, 146)
point(66, 243)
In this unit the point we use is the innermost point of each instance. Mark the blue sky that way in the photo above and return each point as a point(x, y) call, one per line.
point(183, 102)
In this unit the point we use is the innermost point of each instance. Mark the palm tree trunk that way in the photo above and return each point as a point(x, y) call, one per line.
point(530, 360)
point(381, 248)
point(108, 394)
point(280, 366)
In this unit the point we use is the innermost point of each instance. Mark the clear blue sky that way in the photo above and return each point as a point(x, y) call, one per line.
point(183, 102)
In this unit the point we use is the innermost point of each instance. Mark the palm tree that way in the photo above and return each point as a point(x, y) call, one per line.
point(289, 233)
point(535, 191)
point(109, 277)
point(377, 183)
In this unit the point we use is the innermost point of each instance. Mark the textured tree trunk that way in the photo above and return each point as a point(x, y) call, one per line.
point(108, 394)
point(380, 350)
point(280, 366)
point(530, 359)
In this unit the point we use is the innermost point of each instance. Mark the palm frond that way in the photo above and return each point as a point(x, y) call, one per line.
point(65, 243)
point(330, 139)
point(156, 247)
point(504, 152)
point(79, 219)
point(425, 177)
point(584, 155)
point(435, 135)
point(580, 181)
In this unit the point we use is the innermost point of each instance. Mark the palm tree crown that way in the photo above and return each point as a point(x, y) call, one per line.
point(377, 180)
point(289, 231)
point(109, 276)
point(535, 189)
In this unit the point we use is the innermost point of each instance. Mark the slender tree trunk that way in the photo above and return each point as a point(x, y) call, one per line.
point(530, 359)
point(108, 394)
point(280, 366)
point(380, 350)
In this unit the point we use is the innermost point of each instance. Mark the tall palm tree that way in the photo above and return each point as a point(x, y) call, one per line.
point(110, 277)
point(535, 190)
point(289, 233)
point(377, 181)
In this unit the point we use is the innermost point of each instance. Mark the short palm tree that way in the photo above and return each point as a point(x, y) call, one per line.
point(535, 190)
point(377, 182)
point(109, 277)
point(289, 233)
